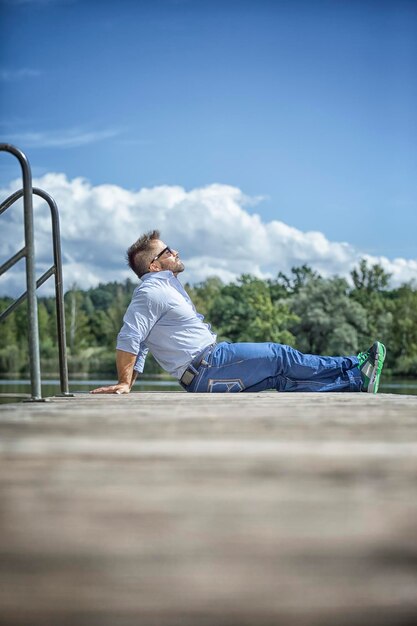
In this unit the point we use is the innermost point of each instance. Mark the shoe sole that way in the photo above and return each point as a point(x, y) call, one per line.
point(378, 364)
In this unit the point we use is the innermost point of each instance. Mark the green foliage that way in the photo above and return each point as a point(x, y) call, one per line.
point(370, 279)
point(330, 322)
point(203, 294)
point(312, 313)
point(11, 359)
point(403, 332)
point(300, 276)
point(13, 339)
point(245, 311)
point(8, 326)
point(370, 290)
point(77, 326)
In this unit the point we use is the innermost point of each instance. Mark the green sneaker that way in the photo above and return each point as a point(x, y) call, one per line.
point(371, 363)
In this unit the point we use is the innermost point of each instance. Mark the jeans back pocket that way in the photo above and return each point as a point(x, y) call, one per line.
point(225, 386)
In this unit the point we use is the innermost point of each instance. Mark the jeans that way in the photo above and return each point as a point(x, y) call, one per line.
point(234, 367)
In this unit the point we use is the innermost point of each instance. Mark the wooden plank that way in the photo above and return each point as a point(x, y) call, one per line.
point(172, 509)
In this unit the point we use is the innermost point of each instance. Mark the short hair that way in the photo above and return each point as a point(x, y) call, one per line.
point(139, 255)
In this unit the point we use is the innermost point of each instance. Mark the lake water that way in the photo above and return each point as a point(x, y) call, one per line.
point(17, 390)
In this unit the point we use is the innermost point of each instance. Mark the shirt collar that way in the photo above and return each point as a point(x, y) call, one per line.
point(164, 275)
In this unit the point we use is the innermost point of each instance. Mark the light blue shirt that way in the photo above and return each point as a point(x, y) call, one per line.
point(161, 318)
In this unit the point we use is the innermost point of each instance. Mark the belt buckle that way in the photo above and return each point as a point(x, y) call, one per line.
point(188, 377)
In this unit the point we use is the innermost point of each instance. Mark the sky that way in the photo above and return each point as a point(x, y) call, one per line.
point(256, 135)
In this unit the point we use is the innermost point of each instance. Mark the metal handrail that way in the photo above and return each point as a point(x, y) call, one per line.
point(56, 269)
point(29, 252)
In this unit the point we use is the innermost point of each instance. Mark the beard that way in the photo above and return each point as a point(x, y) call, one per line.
point(179, 266)
point(175, 266)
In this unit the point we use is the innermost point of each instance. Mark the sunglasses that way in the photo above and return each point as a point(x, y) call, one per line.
point(167, 249)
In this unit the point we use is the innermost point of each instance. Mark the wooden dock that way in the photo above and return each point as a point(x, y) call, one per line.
point(175, 509)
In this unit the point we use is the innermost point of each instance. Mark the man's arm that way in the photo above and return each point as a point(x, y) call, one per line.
point(125, 362)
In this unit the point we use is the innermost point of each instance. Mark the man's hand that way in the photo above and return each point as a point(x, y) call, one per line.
point(119, 388)
point(127, 376)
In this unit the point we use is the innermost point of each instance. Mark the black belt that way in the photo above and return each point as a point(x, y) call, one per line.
point(192, 370)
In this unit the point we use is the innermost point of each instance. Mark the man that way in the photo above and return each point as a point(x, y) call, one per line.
point(161, 318)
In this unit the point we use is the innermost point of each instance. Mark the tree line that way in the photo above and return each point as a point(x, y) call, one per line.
point(312, 313)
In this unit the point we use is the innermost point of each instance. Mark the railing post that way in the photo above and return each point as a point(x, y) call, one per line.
point(59, 290)
point(34, 355)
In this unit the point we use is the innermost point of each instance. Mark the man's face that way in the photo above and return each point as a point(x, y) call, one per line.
point(168, 260)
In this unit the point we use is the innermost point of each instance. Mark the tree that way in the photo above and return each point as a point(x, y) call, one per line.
point(369, 279)
point(244, 311)
point(403, 335)
point(77, 327)
point(105, 324)
point(370, 283)
point(47, 342)
point(284, 286)
point(329, 321)
point(325, 315)
point(11, 358)
point(203, 294)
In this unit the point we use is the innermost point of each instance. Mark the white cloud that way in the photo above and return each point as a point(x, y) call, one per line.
point(210, 226)
point(67, 138)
